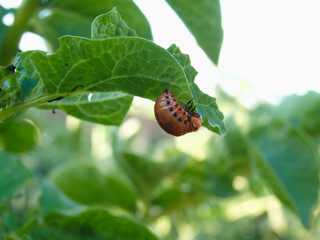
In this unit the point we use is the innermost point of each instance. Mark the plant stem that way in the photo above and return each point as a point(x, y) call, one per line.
point(7, 112)
point(10, 44)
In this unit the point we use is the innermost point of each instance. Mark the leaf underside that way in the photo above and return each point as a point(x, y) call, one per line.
point(95, 79)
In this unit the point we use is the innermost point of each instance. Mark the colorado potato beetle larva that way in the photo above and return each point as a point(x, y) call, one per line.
point(173, 118)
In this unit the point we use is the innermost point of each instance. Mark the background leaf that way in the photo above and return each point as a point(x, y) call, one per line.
point(288, 161)
point(100, 190)
point(174, 198)
point(18, 136)
point(96, 224)
point(74, 17)
point(53, 200)
point(203, 19)
point(3, 28)
point(13, 174)
point(300, 110)
point(146, 173)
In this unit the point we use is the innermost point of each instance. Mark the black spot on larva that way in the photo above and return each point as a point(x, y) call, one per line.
point(166, 97)
point(176, 104)
point(175, 114)
point(170, 109)
point(172, 96)
point(180, 119)
point(168, 102)
point(185, 121)
point(173, 99)
point(180, 108)
point(189, 118)
point(184, 113)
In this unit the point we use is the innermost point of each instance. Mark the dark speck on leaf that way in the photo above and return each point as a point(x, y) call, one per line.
point(76, 87)
point(66, 64)
point(56, 99)
point(11, 68)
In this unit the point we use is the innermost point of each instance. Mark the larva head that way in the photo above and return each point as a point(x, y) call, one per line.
point(195, 122)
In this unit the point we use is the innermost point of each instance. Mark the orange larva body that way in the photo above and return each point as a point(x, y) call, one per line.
point(173, 118)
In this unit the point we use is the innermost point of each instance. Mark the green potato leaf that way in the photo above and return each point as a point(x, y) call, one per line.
point(74, 17)
point(87, 185)
point(18, 136)
point(130, 65)
point(208, 109)
point(206, 105)
point(300, 110)
point(13, 174)
point(203, 19)
point(96, 224)
point(53, 200)
point(104, 108)
point(146, 173)
point(287, 160)
point(3, 28)
point(4, 74)
point(110, 25)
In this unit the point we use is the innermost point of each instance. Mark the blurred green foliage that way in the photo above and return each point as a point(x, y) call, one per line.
point(250, 184)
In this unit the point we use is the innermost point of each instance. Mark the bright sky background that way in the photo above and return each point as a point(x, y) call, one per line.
point(271, 47)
